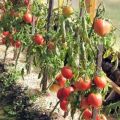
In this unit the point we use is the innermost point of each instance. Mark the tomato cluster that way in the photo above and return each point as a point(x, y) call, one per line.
point(67, 88)
point(61, 78)
point(8, 38)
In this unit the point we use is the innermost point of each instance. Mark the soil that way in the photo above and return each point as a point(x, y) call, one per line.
point(44, 103)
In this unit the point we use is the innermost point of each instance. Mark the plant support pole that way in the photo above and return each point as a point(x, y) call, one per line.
point(45, 71)
point(51, 3)
point(98, 69)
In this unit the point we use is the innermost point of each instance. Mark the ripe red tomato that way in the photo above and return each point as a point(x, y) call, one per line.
point(59, 93)
point(65, 92)
point(26, 2)
point(27, 17)
point(64, 105)
point(38, 39)
point(83, 84)
point(100, 82)
point(61, 80)
point(3, 41)
point(95, 100)
point(67, 72)
point(87, 114)
point(6, 33)
point(67, 11)
point(84, 103)
point(17, 44)
point(102, 27)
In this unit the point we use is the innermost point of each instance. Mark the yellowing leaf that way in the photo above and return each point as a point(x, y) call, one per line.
point(107, 53)
point(114, 58)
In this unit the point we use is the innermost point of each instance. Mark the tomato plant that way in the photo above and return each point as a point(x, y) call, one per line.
point(57, 42)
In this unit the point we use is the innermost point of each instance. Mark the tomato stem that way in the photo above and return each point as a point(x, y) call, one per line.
point(15, 53)
point(18, 55)
point(54, 108)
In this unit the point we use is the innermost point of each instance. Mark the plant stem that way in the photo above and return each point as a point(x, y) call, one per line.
point(29, 65)
point(16, 61)
point(15, 53)
point(29, 58)
point(49, 85)
point(45, 79)
point(98, 69)
point(94, 113)
point(54, 108)
point(5, 54)
point(66, 114)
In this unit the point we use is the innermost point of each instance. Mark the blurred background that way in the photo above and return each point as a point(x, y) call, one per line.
point(113, 12)
point(112, 9)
